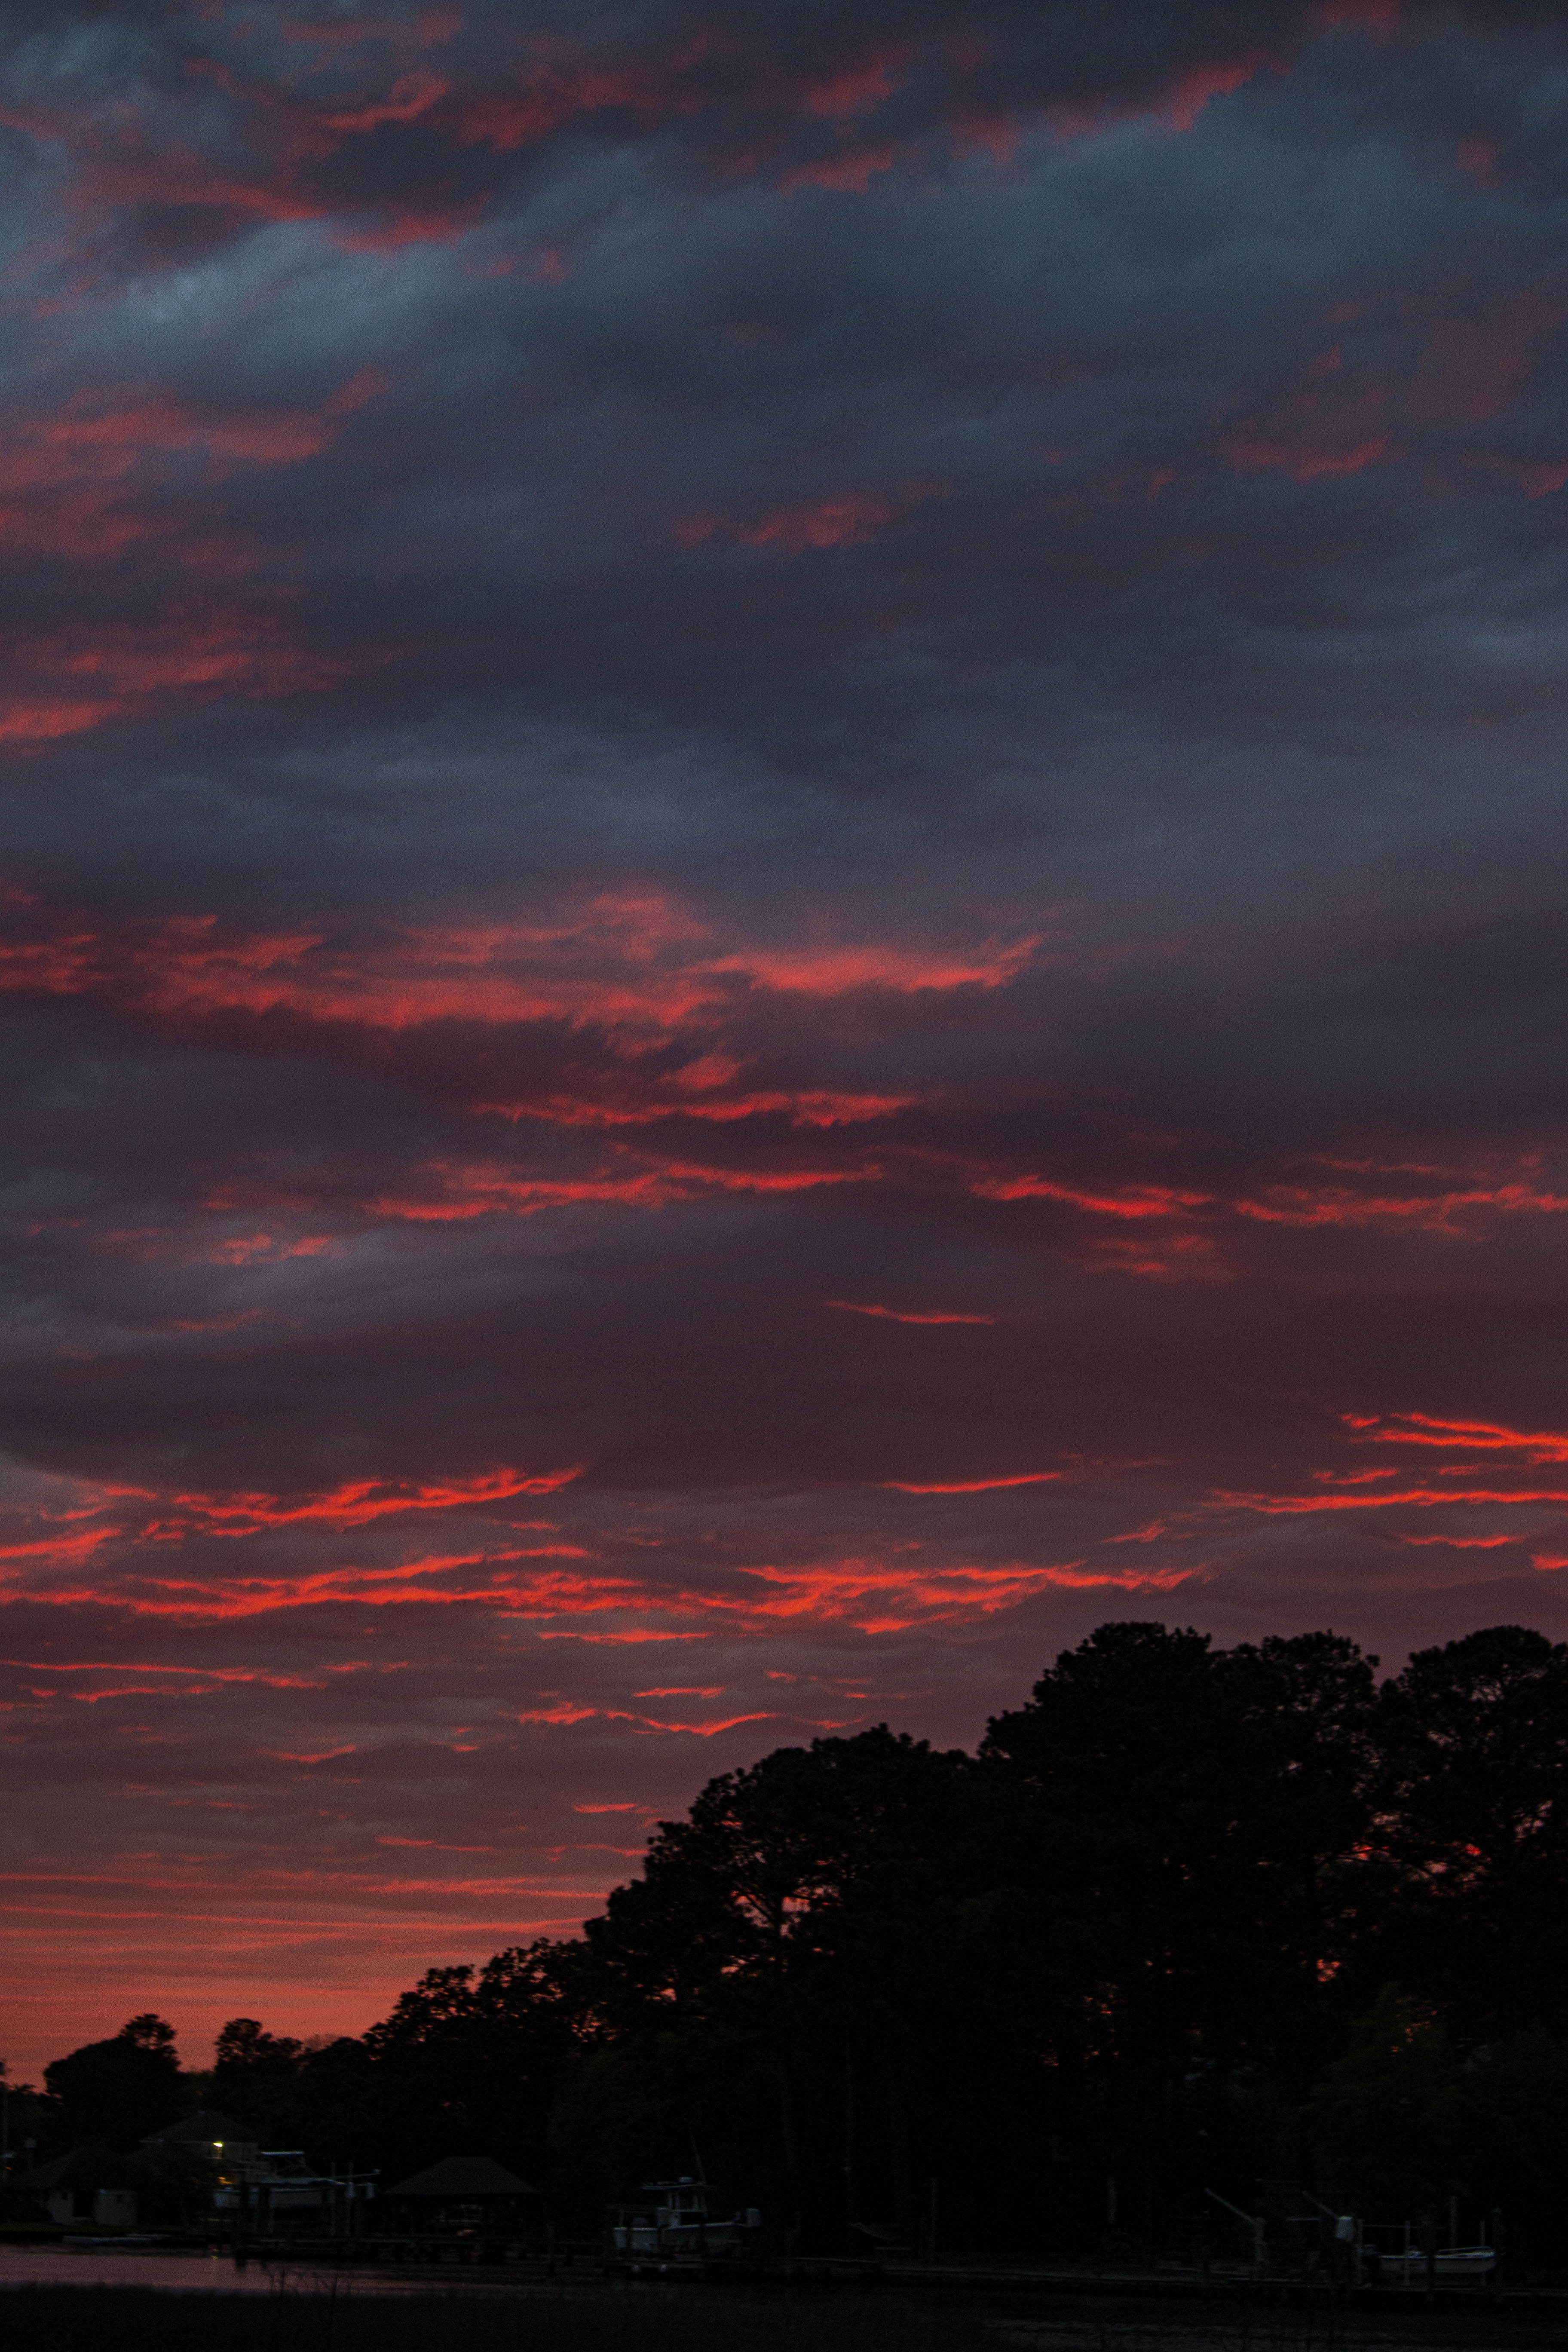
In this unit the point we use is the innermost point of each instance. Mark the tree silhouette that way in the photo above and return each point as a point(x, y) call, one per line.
point(1191, 1917)
point(115, 2093)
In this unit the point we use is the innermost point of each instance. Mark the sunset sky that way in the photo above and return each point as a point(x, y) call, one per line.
point(783, 874)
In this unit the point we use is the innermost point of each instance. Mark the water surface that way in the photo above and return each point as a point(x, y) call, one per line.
point(202, 2273)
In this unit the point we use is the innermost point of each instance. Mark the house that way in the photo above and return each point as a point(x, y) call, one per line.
point(200, 2155)
point(206, 2133)
point(91, 2184)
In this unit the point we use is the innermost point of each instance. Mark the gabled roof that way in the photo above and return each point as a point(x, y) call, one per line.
point(206, 2128)
point(84, 2168)
point(464, 2175)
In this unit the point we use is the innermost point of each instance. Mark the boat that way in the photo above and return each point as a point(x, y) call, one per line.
point(678, 2228)
point(286, 2181)
point(1452, 2266)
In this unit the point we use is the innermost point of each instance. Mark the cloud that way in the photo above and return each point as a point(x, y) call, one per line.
point(783, 811)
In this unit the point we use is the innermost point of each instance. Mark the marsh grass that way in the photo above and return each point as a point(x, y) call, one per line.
point(1282, 2327)
point(316, 2314)
point(143, 2319)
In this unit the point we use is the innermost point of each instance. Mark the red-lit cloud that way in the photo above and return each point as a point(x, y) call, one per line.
point(1472, 367)
point(479, 1192)
point(1353, 409)
point(840, 521)
point(133, 474)
point(973, 1486)
point(1178, 103)
point(636, 961)
point(898, 1314)
point(353, 1506)
point(1137, 1202)
point(1469, 1436)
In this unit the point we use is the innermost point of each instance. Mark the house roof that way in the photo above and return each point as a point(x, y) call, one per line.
point(84, 2168)
point(463, 2175)
point(206, 2128)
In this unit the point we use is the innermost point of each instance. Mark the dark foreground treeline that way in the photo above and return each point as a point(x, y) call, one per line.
point(1190, 1916)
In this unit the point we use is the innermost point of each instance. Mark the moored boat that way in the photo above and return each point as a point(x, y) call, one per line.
point(671, 2224)
point(1452, 2266)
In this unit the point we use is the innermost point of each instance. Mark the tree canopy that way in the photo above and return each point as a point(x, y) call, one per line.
point(1189, 1917)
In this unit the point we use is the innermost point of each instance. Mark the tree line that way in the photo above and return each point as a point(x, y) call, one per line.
point(1188, 1917)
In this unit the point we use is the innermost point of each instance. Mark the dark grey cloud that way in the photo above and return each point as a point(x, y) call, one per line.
point(784, 850)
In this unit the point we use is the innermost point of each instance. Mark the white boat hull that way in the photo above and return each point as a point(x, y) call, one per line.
point(1456, 2265)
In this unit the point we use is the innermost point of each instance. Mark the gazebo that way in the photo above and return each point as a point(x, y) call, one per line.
point(462, 2193)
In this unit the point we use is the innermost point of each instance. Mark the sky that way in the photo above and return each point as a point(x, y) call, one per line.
point(783, 878)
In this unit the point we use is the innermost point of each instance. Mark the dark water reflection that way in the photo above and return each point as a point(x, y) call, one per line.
point(202, 2274)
